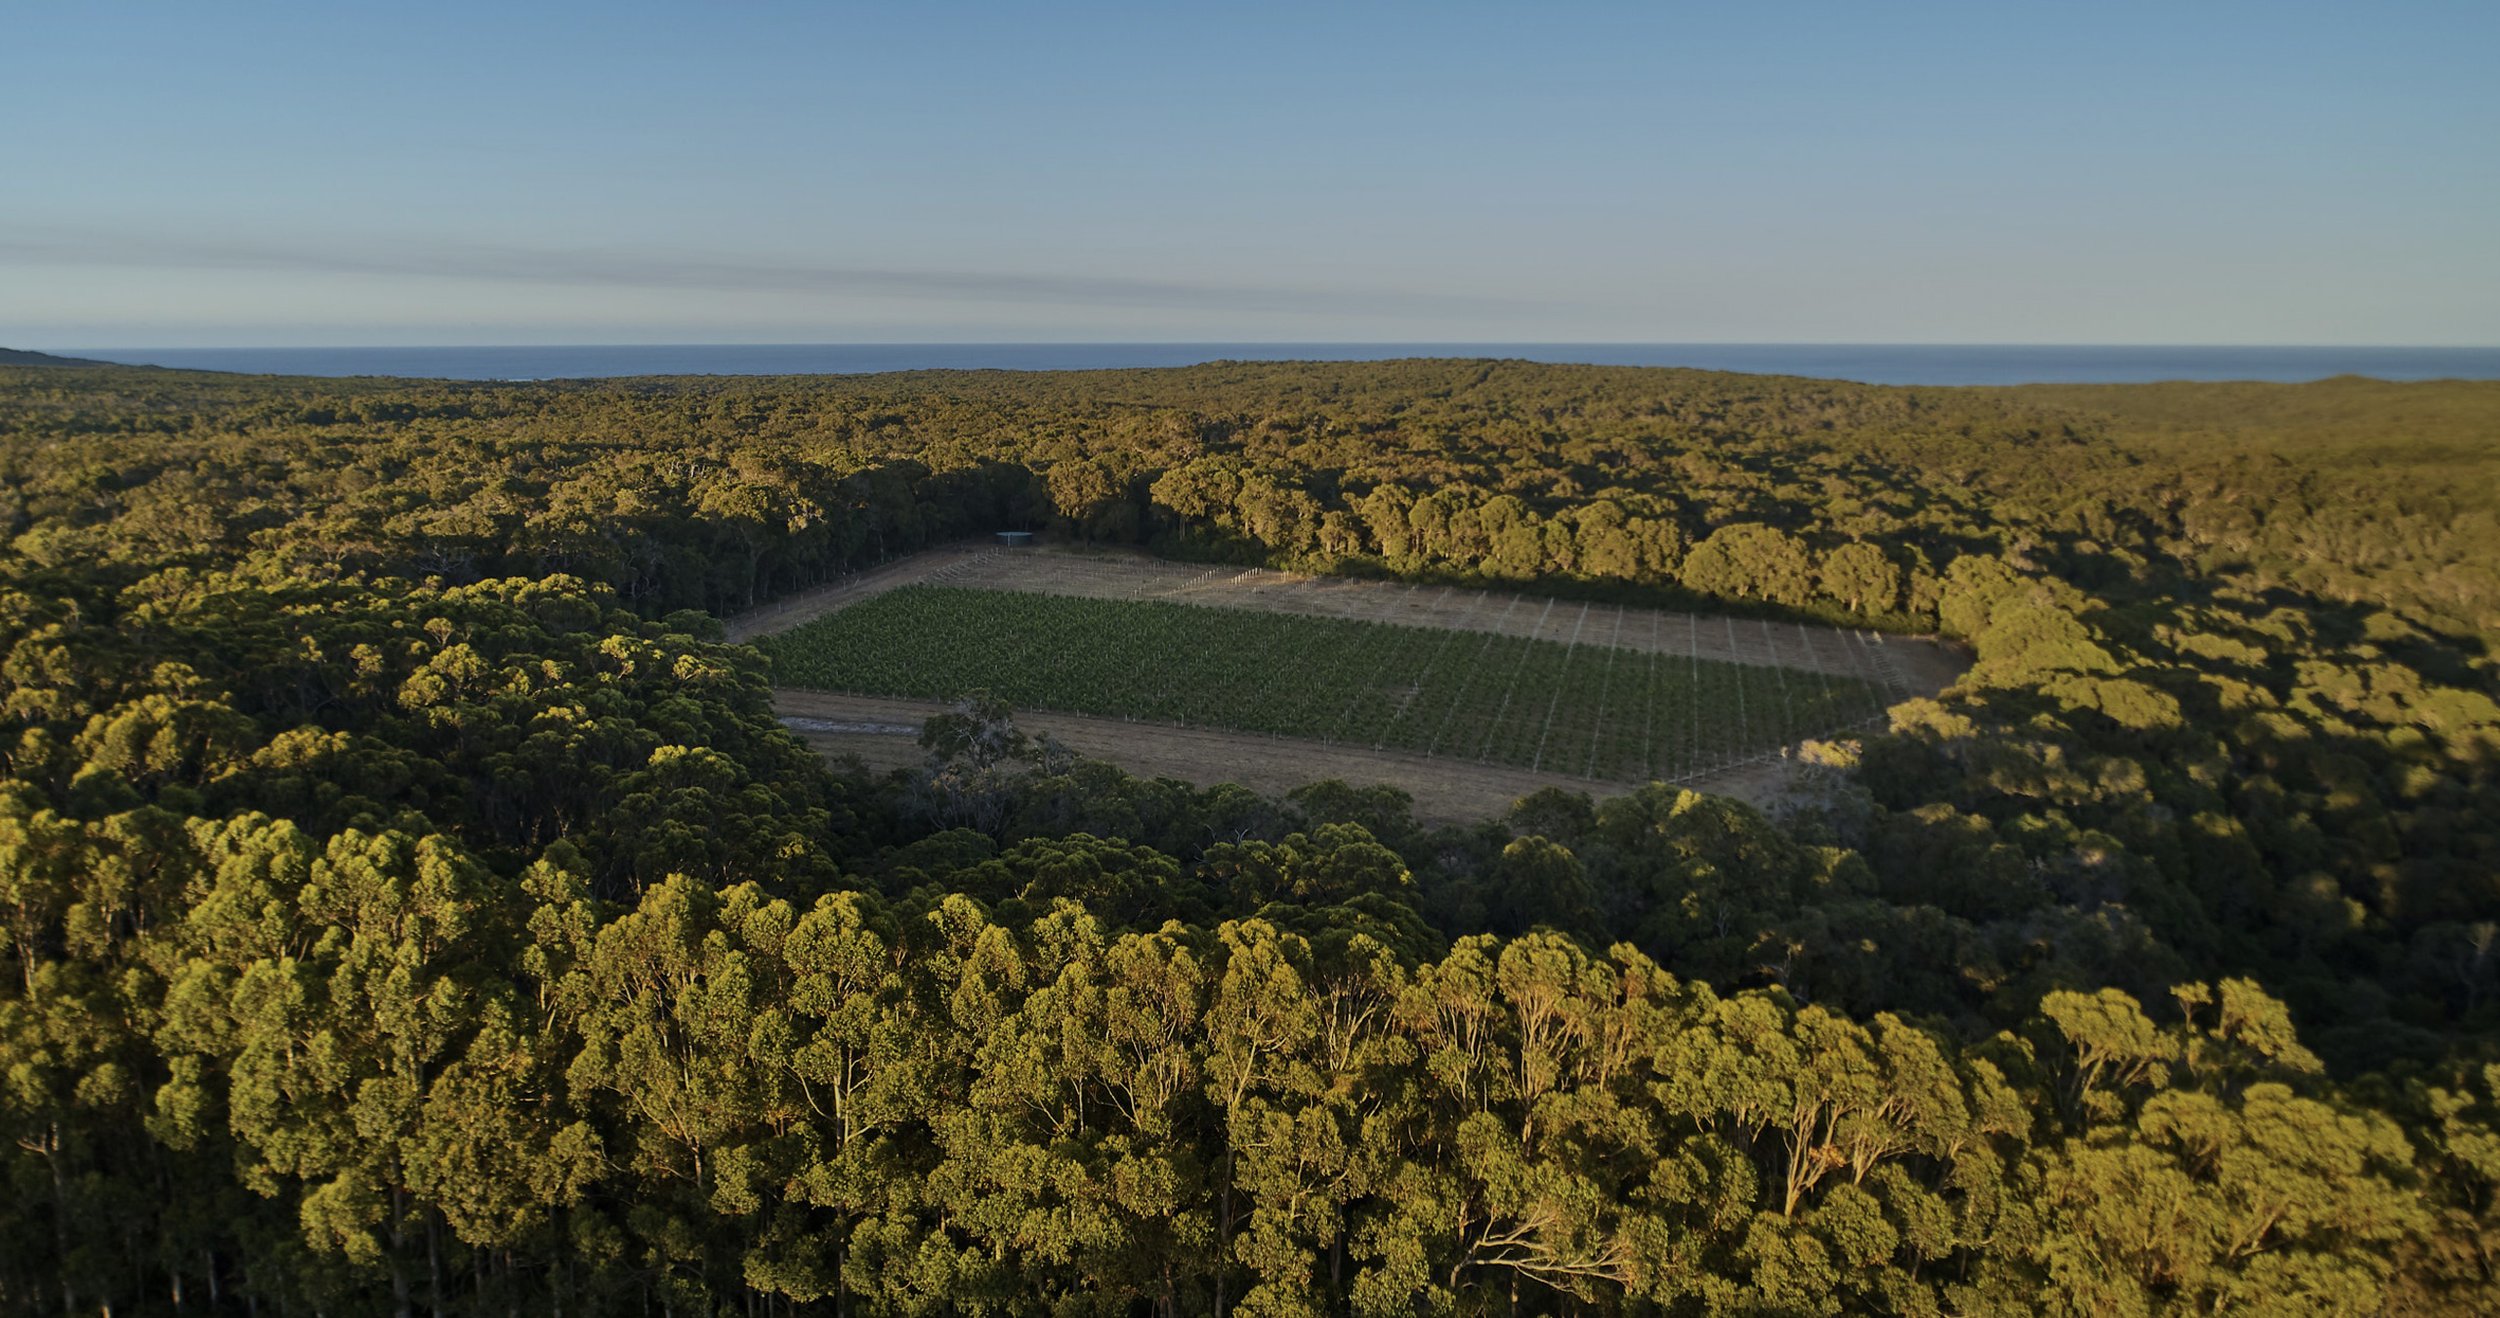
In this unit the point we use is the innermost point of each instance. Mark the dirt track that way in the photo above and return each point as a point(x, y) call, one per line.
point(883, 733)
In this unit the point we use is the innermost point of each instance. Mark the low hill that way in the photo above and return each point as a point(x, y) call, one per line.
point(24, 357)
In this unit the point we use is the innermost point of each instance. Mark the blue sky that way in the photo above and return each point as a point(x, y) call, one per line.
point(2031, 173)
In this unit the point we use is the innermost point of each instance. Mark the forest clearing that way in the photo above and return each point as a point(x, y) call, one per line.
point(1904, 665)
point(1334, 674)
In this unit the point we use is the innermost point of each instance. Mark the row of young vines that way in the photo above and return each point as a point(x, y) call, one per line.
point(1590, 705)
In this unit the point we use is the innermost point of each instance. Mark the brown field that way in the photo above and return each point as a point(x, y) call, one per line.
point(881, 731)
point(883, 734)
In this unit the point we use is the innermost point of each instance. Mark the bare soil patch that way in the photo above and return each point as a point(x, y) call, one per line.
point(883, 733)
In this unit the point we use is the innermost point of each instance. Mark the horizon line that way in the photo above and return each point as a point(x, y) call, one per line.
point(1269, 343)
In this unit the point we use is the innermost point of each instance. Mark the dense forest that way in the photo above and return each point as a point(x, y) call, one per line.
point(413, 906)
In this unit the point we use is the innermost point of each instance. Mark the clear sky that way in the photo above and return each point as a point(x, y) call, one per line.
point(2206, 172)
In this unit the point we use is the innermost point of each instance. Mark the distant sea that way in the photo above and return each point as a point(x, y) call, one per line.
point(1931, 364)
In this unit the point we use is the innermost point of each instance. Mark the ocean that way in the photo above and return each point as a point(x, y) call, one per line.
point(1925, 363)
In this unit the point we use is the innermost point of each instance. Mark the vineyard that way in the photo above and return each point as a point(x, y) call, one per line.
point(1591, 705)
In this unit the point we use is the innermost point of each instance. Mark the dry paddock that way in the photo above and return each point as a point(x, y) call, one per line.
point(881, 731)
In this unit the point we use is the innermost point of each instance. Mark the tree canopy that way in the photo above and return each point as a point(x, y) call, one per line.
point(412, 904)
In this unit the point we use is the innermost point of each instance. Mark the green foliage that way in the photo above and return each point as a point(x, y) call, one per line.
point(410, 904)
